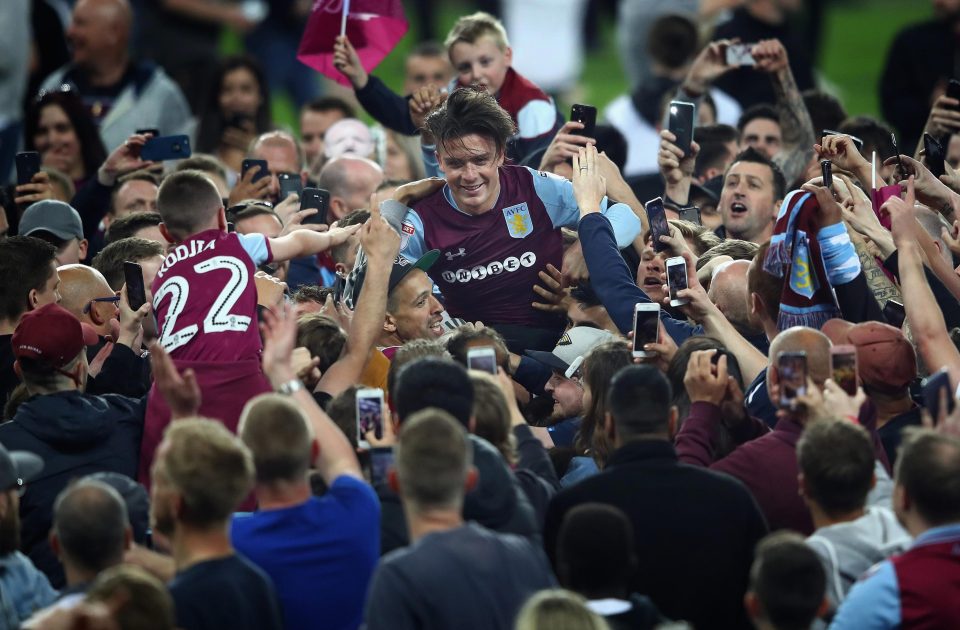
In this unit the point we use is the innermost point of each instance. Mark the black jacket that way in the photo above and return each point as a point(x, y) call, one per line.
point(497, 502)
point(76, 435)
point(694, 531)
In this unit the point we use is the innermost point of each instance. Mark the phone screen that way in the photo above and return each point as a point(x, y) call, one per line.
point(933, 155)
point(826, 168)
point(381, 459)
point(369, 415)
point(792, 369)
point(483, 359)
point(953, 89)
point(845, 368)
point(646, 328)
point(658, 223)
point(676, 280)
point(133, 276)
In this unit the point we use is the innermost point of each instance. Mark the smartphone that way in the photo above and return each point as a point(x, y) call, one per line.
point(290, 183)
point(586, 114)
point(133, 276)
point(248, 163)
point(482, 358)
point(28, 165)
point(381, 459)
point(931, 393)
point(369, 414)
point(646, 327)
point(148, 131)
point(158, 149)
point(896, 154)
point(844, 367)
point(826, 169)
point(934, 155)
point(238, 121)
point(740, 55)
point(830, 132)
point(681, 122)
point(894, 313)
point(317, 198)
point(676, 279)
point(792, 368)
point(658, 223)
point(953, 89)
point(691, 214)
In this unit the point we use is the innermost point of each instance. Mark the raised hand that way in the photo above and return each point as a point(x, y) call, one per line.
point(709, 65)
point(589, 186)
point(556, 298)
point(770, 55)
point(380, 242)
point(124, 159)
point(246, 188)
point(38, 189)
point(903, 216)
point(564, 147)
point(423, 101)
point(843, 152)
point(704, 381)
point(674, 164)
point(944, 118)
point(180, 390)
point(347, 61)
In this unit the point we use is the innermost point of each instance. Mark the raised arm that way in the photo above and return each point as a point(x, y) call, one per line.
point(795, 125)
point(279, 338)
point(307, 242)
point(380, 243)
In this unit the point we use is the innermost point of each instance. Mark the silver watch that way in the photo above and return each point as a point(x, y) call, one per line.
point(290, 387)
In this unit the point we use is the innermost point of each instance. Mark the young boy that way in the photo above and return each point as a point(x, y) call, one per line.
point(205, 299)
point(481, 56)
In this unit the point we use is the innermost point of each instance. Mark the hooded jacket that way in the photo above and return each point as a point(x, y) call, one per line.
point(497, 502)
point(847, 550)
point(76, 435)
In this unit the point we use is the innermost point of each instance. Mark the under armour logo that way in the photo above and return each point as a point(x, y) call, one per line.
point(451, 255)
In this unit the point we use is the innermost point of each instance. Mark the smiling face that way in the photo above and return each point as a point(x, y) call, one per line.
point(481, 63)
point(240, 93)
point(471, 165)
point(57, 142)
point(747, 202)
point(567, 396)
point(413, 311)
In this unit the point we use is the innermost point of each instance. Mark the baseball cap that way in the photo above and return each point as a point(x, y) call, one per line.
point(17, 468)
point(885, 359)
point(401, 267)
point(49, 335)
point(576, 342)
point(56, 217)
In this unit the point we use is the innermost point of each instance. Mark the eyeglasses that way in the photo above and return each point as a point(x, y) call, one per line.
point(113, 298)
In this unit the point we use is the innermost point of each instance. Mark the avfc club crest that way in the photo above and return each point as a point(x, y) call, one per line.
point(519, 222)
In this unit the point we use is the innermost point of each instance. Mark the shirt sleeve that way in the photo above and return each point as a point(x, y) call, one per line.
point(873, 603)
point(839, 256)
point(428, 154)
point(536, 118)
point(257, 247)
point(557, 196)
point(412, 244)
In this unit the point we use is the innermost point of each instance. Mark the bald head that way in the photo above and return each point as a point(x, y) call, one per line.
point(803, 339)
point(351, 180)
point(90, 526)
point(934, 224)
point(99, 33)
point(78, 285)
point(728, 290)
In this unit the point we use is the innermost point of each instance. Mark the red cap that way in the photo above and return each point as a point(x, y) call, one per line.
point(49, 335)
point(885, 359)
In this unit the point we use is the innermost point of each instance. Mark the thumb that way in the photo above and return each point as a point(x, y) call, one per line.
point(374, 207)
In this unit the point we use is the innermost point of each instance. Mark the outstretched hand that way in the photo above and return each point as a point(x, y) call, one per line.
point(180, 390)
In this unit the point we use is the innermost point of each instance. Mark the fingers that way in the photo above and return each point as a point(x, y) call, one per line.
point(911, 196)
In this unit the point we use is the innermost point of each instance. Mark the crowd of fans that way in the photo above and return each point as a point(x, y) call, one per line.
point(429, 400)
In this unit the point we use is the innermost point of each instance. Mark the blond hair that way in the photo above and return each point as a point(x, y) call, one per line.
point(470, 28)
point(209, 466)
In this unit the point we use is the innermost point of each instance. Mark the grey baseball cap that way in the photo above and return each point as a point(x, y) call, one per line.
point(56, 217)
point(17, 468)
point(576, 342)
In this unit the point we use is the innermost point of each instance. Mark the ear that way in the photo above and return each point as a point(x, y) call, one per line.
point(166, 234)
point(314, 451)
point(508, 55)
point(756, 304)
point(673, 422)
point(752, 604)
point(54, 542)
point(802, 486)
point(304, 176)
point(472, 424)
point(389, 324)
point(341, 270)
point(32, 300)
point(610, 427)
point(222, 219)
point(873, 480)
point(824, 607)
point(84, 244)
point(473, 477)
point(392, 480)
point(18, 370)
point(127, 538)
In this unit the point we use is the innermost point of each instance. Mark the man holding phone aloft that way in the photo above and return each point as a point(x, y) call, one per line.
point(498, 225)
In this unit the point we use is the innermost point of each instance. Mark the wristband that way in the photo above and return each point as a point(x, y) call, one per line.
point(290, 387)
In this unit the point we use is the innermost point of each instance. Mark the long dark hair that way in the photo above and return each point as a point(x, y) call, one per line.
point(213, 121)
point(599, 367)
point(92, 151)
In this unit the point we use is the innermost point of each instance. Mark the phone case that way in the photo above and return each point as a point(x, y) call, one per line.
point(682, 120)
point(166, 148)
point(28, 165)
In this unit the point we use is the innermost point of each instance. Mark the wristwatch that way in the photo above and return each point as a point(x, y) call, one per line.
point(290, 387)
